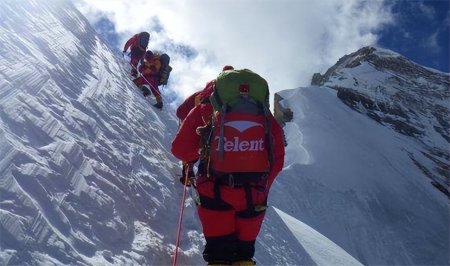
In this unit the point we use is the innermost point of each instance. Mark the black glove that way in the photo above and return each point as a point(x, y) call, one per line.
point(188, 181)
point(187, 168)
point(203, 130)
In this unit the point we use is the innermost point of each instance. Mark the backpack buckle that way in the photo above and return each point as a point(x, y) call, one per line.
point(231, 180)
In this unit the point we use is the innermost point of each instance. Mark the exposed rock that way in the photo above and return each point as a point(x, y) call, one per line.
point(282, 114)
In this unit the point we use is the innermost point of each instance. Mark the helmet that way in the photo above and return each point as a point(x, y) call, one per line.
point(148, 54)
point(227, 67)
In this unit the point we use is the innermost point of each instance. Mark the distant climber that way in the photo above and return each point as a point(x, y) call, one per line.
point(138, 45)
point(149, 69)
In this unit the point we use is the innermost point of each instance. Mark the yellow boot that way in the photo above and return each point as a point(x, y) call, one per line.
point(243, 263)
point(159, 103)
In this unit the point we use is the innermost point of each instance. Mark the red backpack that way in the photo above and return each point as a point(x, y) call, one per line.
point(242, 146)
point(240, 139)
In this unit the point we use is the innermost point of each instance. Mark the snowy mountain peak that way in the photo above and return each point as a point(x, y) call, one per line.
point(402, 95)
point(382, 60)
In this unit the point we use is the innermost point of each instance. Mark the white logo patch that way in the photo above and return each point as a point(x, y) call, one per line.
point(242, 126)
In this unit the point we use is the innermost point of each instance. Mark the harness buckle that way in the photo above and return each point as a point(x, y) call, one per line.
point(231, 180)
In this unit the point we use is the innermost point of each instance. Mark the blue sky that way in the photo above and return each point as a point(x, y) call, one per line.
point(420, 32)
point(286, 41)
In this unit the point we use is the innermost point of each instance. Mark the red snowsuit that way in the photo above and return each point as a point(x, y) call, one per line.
point(230, 227)
point(198, 97)
point(136, 52)
point(149, 69)
point(195, 99)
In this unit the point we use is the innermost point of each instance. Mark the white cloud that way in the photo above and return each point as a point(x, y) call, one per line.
point(285, 41)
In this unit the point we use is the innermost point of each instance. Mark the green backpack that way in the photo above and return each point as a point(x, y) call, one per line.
point(240, 139)
point(232, 85)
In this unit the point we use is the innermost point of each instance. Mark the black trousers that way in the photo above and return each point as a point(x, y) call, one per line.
point(227, 249)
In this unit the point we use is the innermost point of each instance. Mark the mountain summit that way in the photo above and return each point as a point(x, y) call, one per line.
point(367, 148)
point(402, 95)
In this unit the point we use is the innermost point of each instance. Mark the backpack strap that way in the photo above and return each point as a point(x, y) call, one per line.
point(248, 196)
point(205, 143)
point(221, 132)
point(269, 136)
point(217, 98)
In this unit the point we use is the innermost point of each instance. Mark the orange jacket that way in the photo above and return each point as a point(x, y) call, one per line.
point(150, 67)
point(186, 144)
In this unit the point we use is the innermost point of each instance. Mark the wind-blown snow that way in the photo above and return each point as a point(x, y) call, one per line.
point(87, 178)
point(357, 185)
point(321, 250)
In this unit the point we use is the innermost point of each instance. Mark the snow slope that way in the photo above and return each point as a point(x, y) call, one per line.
point(86, 174)
point(351, 179)
point(87, 178)
point(402, 95)
point(322, 251)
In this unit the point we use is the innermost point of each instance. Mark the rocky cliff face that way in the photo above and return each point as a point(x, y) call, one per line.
point(281, 113)
point(402, 95)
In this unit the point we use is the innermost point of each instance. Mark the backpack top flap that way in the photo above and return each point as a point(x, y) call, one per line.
point(231, 85)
